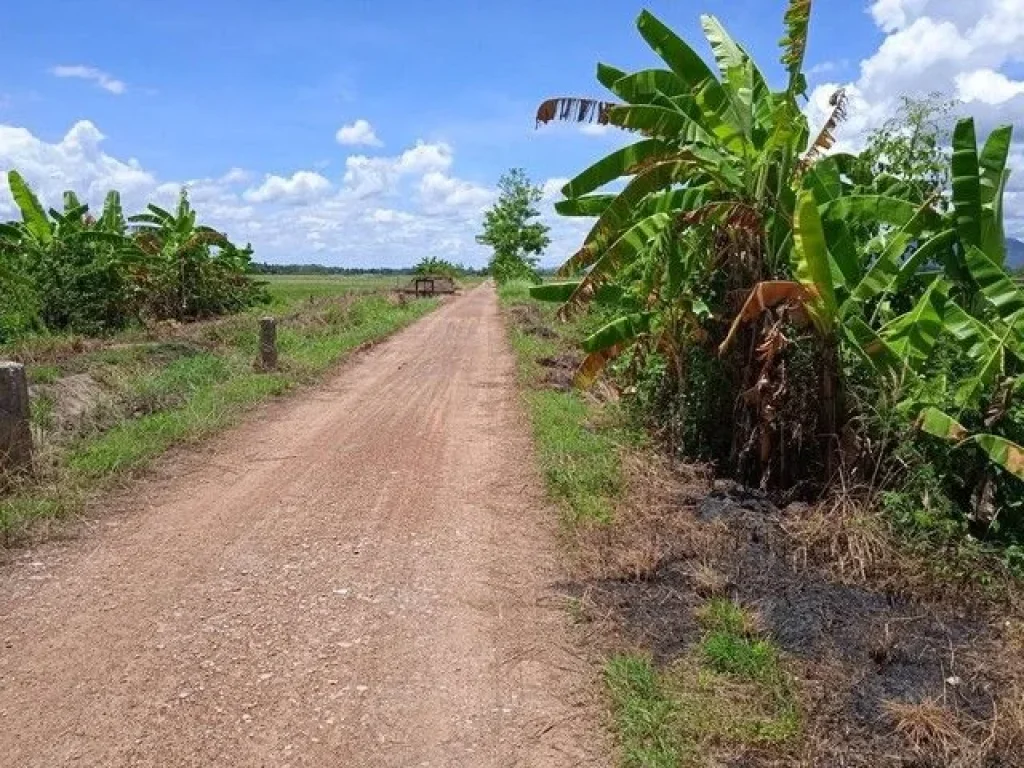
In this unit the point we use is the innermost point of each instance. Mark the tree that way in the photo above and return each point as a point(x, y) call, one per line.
point(431, 265)
point(509, 229)
point(74, 265)
point(912, 147)
point(705, 215)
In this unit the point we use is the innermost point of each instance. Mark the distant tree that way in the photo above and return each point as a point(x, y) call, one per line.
point(913, 146)
point(509, 229)
point(431, 265)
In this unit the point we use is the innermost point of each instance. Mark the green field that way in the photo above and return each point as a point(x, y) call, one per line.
point(288, 289)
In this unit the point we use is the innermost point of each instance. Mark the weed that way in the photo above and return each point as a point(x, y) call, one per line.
point(644, 715)
point(928, 727)
point(44, 374)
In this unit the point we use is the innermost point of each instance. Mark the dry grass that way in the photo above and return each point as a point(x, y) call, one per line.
point(842, 535)
point(929, 728)
point(653, 525)
point(1008, 729)
point(709, 582)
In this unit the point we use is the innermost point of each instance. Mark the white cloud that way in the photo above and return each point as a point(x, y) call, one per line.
point(104, 80)
point(372, 176)
point(358, 134)
point(967, 49)
point(236, 176)
point(424, 158)
point(75, 162)
point(443, 195)
point(300, 217)
point(301, 187)
point(959, 48)
point(987, 86)
point(551, 190)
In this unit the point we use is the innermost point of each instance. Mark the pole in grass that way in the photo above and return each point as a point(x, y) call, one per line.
point(15, 434)
point(268, 344)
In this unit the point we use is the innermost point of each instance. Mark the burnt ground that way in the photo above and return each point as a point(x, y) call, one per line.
point(854, 648)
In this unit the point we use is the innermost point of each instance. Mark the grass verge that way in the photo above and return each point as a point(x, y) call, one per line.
point(104, 409)
point(578, 438)
point(728, 692)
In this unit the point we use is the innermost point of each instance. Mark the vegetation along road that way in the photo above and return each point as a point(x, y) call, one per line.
point(360, 578)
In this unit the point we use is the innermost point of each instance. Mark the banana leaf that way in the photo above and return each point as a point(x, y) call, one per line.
point(999, 450)
point(967, 183)
point(622, 162)
point(811, 262)
point(554, 292)
point(32, 214)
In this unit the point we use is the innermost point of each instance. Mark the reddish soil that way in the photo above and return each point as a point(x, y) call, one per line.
point(362, 576)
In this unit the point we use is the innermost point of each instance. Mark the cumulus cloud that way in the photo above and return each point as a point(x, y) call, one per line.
point(75, 162)
point(358, 134)
point(987, 86)
point(965, 49)
point(444, 195)
point(373, 176)
point(301, 187)
point(236, 176)
point(551, 190)
point(102, 79)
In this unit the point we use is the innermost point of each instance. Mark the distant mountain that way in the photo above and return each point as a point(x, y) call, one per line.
point(1014, 253)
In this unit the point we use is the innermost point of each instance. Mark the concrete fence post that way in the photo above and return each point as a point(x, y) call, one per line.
point(15, 434)
point(268, 344)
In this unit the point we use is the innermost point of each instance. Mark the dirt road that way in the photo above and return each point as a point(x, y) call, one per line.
point(361, 576)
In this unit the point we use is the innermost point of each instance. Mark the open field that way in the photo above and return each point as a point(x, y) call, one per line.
point(288, 289)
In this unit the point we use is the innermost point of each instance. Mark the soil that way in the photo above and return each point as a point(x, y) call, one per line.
point(363, 576)
point(560, 371)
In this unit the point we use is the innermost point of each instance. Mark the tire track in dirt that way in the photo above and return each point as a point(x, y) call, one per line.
point(361, 577)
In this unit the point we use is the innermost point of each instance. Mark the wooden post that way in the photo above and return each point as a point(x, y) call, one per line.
point(15, 435)
point(268, 344)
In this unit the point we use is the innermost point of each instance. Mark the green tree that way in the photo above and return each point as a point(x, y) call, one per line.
point(431, 265)
point(75, 267)
point(509, 229)
point(911, 148)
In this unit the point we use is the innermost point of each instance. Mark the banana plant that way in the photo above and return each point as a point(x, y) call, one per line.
point(178, 249)
point(76, 265)
point(731, 142)
point(979, 181)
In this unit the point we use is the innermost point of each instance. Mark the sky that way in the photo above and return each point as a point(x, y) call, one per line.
point(361, 133)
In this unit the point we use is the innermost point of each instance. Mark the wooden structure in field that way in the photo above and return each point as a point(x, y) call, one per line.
point(430, 285)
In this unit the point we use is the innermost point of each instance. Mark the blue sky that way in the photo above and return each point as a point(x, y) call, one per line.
point(155, 95)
